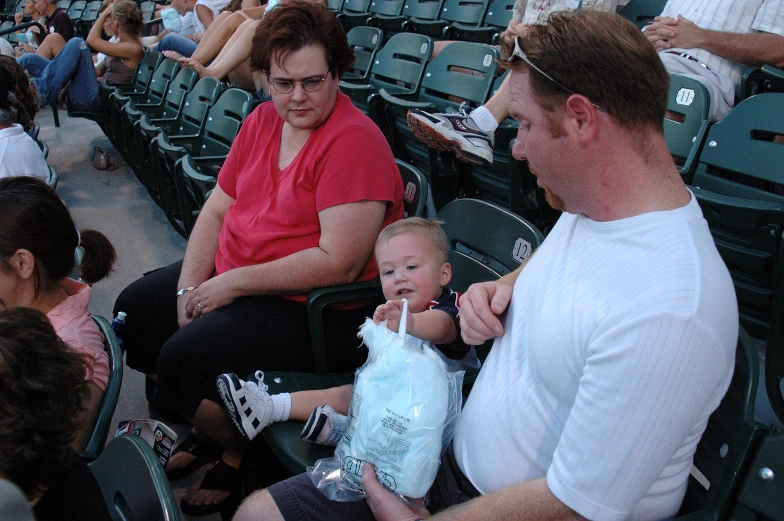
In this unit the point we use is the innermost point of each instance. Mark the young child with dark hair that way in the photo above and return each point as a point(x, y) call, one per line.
point(412, 261)
point(42, 396)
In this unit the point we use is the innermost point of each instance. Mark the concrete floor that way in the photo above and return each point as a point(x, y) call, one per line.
point(116, 204)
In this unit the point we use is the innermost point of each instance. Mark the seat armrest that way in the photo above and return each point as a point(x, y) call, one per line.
point(320, 298)
point(399, 101)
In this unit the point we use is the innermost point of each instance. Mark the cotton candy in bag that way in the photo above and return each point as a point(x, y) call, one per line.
point(403, 413)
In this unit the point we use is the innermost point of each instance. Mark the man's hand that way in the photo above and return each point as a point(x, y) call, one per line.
point(479, 310)
point(212, 294)
point(392, 312)
point(514, 29)
point(668, 33)
point(384, 504)
point(23, 48)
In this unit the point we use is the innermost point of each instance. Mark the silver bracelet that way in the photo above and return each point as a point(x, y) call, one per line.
point(183, 291)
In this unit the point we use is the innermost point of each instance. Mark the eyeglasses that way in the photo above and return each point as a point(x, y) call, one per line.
point(312, 84)
point(519, 53)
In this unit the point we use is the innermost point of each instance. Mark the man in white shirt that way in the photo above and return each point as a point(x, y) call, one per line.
point(19, 154)
point(713, 42)
point(614, 342)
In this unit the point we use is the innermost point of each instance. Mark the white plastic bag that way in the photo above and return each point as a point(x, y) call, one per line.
point(403, 415)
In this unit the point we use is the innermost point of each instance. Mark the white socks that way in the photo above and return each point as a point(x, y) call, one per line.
point(484, 119)
point(281, 407)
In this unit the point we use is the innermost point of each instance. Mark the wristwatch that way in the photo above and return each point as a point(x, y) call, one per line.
point(183, 291)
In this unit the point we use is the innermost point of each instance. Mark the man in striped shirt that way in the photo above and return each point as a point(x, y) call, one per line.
point(712, 41)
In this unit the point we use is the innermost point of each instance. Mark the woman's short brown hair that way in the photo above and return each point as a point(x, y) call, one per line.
point(42, 394)
point(295, 25)
point(602, 56)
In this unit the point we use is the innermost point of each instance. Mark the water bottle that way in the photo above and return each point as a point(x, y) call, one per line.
point(118, 324)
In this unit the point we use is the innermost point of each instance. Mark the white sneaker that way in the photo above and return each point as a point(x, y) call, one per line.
point(248, 403)
point(455, 132)
point(325, 426)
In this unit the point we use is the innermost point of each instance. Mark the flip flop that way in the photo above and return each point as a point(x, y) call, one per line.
point(220, 477)
point(204, 452)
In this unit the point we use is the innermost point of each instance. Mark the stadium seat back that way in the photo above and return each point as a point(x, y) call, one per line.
point(178, 89)
point(133, 482)
point(76, 9)
point(642, 12)
point(690, 100)
point(6, 25)
point(365, 41)
point(499, 14)
point(352, 7)
point(422, 9)
point(444, 80)
point(741, 192)
point(386, 7)
point(104, 421)
point(335, 5)
point(223, 122)
point(469, 12)
point(64, 4)
point(729, 439)
point(414, 190)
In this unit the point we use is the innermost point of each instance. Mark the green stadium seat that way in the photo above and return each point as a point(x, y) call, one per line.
point(76, 9)
point(423, 10)
point(642, 12)
point(466, 13)
point(398, 67)
point(64, 4)
point(691, 101)
point(188, 120)
point(335, 5)
point(414, 190)
point(153, 95)
point(133, 482)
point(212, 145)
point(104, 421)
point(739, 189)
point(169, 105)
point(376, 8)
point(729, 440)
point(761, 495)
point(366, 41)
point(497, 19)
point(52, 177)
point(471, 249)
point(88, 18)
point(353, 13)
point(137, 85)
point(442, 84)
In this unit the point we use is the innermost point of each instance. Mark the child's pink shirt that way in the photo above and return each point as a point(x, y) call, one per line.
point(73, 325)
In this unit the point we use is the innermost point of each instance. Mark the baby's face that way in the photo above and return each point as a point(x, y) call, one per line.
point(411, 268)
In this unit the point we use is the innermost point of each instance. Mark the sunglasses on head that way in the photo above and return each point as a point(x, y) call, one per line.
point(519, 53)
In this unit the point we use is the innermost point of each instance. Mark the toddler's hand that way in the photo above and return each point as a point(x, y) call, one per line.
point(392, 312)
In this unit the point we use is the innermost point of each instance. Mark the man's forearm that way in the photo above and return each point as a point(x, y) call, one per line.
point(749, 49)
point(529, 500)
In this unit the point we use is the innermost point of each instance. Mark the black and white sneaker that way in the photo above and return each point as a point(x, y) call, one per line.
point(325, 426)
point(249, 404)
point(455, 132)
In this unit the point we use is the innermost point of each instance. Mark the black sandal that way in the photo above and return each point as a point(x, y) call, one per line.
point(204, 452)
point(220, 477)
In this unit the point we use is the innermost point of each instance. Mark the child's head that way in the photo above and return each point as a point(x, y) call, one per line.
point(42, 392)
point(412, 260)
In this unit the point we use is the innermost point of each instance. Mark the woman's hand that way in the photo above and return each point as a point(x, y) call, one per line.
point(212, 294)
point(18, 17)
point(107, 11)
point(385, 505)
point(392, 312)
point(23, 48)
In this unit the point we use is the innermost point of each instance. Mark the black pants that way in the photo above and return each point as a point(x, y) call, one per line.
point(267, 333)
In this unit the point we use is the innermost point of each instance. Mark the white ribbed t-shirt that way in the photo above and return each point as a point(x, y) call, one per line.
point(20, 154)
point(619, 343)
point(732, 16)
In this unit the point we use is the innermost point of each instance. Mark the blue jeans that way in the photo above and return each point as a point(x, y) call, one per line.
point(74, 64)
point(177, 43)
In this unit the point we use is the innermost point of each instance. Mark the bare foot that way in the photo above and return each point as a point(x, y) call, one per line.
point(201, 70)
point(173, 55)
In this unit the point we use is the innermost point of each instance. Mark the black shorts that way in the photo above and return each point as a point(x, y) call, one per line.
point(298, 499)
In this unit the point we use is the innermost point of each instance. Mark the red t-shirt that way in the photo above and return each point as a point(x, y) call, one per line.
point(275, 212)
